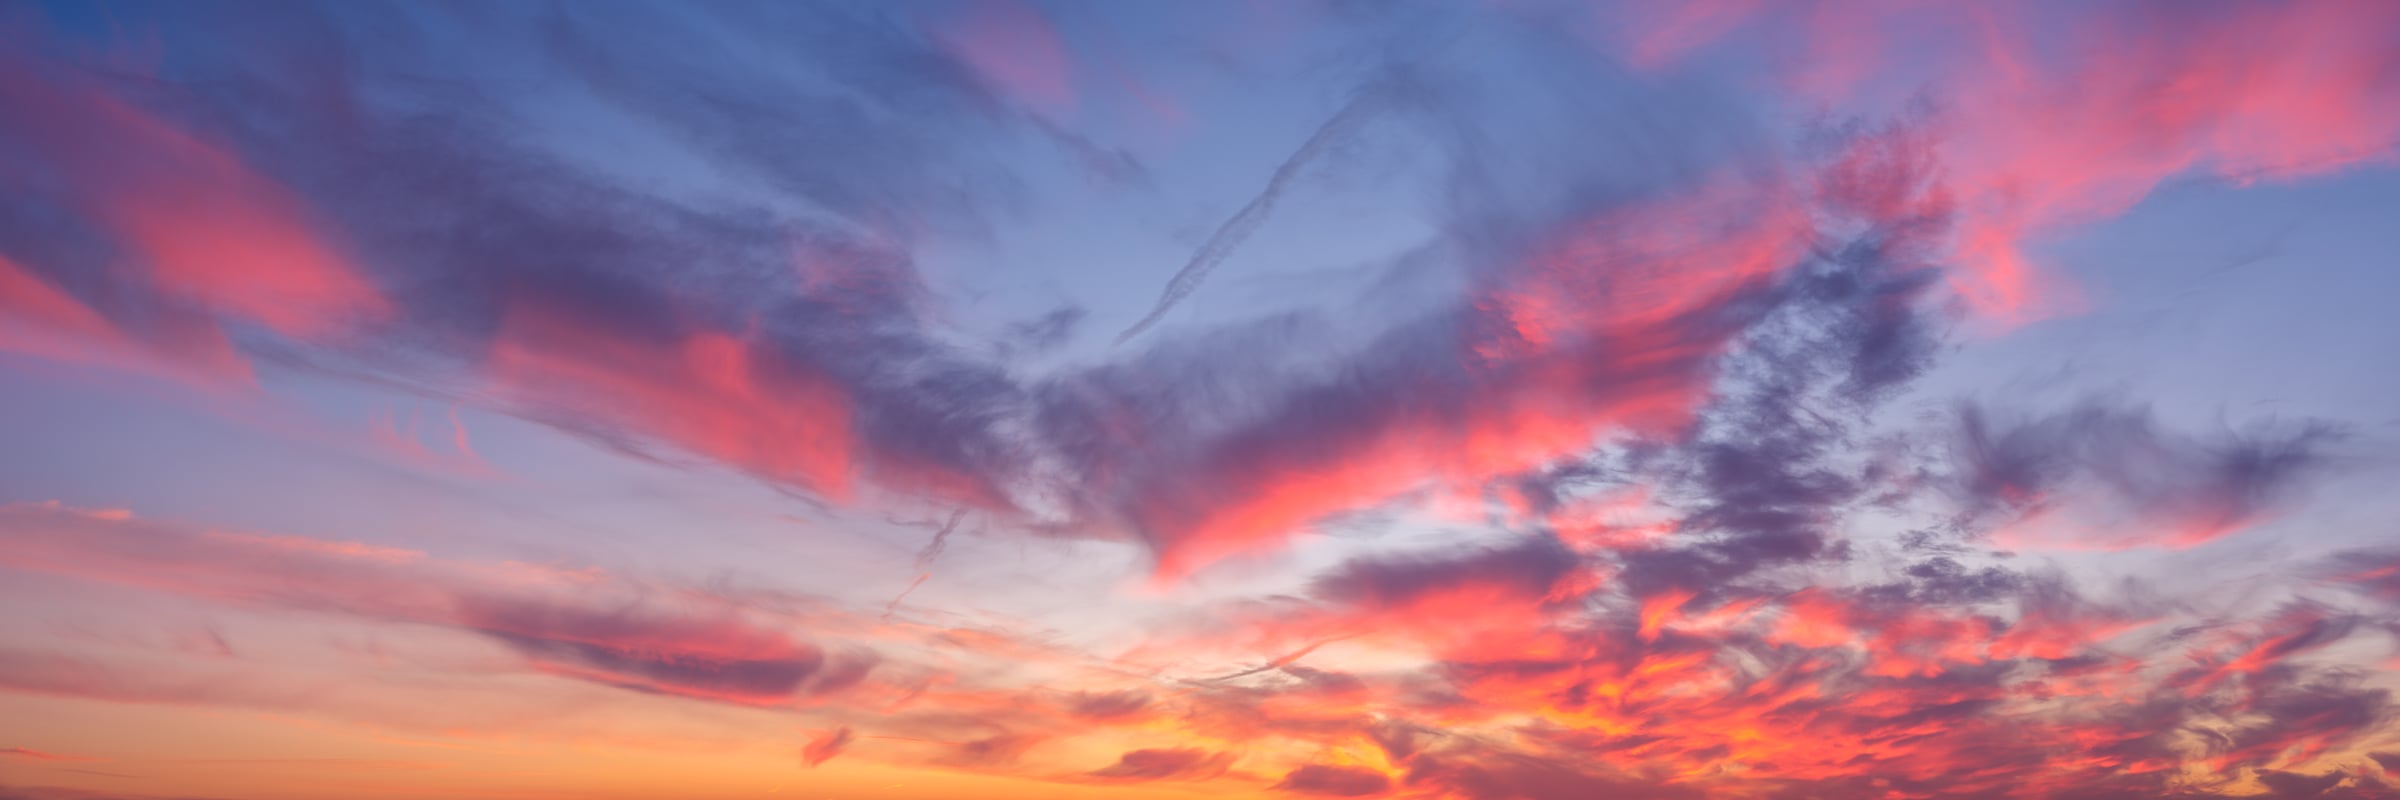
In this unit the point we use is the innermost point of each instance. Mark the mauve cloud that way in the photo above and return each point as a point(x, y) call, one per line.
point(596, 630)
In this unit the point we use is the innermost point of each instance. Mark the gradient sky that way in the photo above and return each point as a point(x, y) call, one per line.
point(1743, 399)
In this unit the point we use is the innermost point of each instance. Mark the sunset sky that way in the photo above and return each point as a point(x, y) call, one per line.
point(1458, 400)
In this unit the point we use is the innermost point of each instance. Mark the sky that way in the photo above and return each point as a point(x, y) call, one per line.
point(1462, 400)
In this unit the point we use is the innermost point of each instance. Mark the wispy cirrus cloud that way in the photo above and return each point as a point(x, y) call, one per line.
point(587, 628)
point(2108, 478)
point(37, 755)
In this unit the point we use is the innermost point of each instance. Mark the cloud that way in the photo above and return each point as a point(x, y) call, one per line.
point(723, 397)
point(901, 112)
point(1655, 382)
point(1334, 781)
point(41, 319)
point(37, 755)
point(1015, 49)
point(1109, 706)
point(1490, 776)
point(597, 630)
point(211, 230)
point(2097, 476)
point(1166, 764)
point(824, 747)
point(402, 233)
point(1355, 112)
point(1528, 570)
point(797, 348)
point(2154, 90)
point(2373, 573)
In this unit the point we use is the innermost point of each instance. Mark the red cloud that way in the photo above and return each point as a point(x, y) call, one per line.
point(2148, 92)
point(1608, 328)
point(824, 747)
point(709, 392)
point(209, 228)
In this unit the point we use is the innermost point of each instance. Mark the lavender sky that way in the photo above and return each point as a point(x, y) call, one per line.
point(1455, 400)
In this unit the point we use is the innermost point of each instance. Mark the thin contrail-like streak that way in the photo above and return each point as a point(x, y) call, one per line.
point(1362, 107)
point(941, 540)
point(1286, 660)
point(924, 562)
